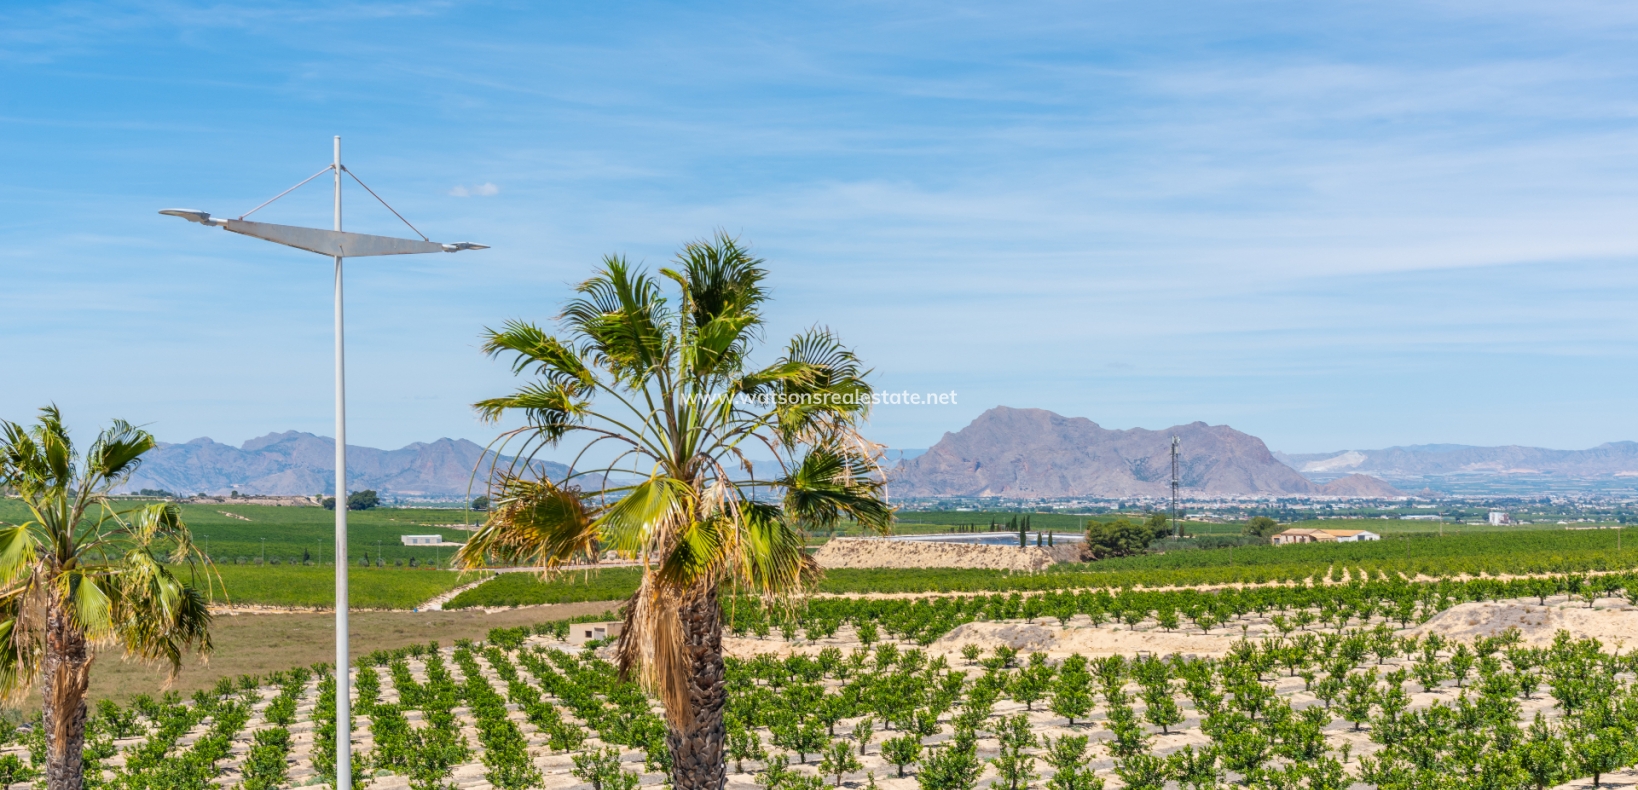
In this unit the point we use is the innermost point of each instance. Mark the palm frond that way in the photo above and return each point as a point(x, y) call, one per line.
point(117, 451)
point(531, 347)
point(831, 483)
point(646, 516)
point(21, 645)
point(533, 522)
point(621, 315)
point(19, 548)
point(551, 408)
point(696, 554)
point(160, 617)
point(770, 560)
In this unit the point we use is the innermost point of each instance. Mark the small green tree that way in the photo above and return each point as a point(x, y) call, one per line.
point(953, 765)
point(1167, 619)
point(744, 744)
point(1600, 750)
point(1031, 684)
point(838, 759)
point(363, 500)
point(435, 752)
point(1071, 694)
point(1067, 756)
point(1141, 771)
point(902, 751)
point(1358, 697)
point(1543, 755)
point(868, 633)
point(1194, 769)
point(801, 735)
point(1160, 708)
point(1159, 525)
point(1260, 527)
point(863, 731)
point(1118, 538)
point(1014, 766)
point(776, 773)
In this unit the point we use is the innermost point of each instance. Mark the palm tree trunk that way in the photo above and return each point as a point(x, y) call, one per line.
point(67, 673)
point(696, 750)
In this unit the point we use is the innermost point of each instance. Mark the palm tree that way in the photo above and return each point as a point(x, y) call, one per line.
point(667, 390)
point(80, 573)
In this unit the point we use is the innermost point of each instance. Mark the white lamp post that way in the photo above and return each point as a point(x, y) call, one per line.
point(337, 245)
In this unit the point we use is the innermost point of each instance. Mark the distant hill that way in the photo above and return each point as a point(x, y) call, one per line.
point(295, 463)
point(1613, 459)
point(1034, 453)
point(1357, 486)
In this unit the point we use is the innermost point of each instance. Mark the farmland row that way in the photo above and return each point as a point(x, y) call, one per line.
point(1342, 693)
point(1525, 553)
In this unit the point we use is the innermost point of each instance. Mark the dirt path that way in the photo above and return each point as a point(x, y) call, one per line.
point(436, 603)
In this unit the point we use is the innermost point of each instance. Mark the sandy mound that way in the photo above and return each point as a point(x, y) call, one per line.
point(1537, 624)
point(883, 553)
point(1101, 641)
point(1029, 638)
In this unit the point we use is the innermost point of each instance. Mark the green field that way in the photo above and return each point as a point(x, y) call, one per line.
point(302, 586)
point(288, 534)
point(290, 531)
point(1524, 552)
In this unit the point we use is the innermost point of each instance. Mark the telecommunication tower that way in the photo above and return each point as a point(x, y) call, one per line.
point(1175, 533)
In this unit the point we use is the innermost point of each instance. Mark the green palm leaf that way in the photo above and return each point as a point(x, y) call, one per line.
point(664, 386)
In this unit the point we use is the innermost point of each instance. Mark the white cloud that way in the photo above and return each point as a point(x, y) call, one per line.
point(485, 189)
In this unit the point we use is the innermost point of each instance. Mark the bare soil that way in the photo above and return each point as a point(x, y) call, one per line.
point(1613, 623)
point(884, 553)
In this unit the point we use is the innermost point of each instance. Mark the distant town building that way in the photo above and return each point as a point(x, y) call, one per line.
point(422, 540)
point(581, 633)
point(1323, 536)
point(1498, 518)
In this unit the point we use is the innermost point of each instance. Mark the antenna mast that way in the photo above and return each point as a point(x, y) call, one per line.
point(1175, 533)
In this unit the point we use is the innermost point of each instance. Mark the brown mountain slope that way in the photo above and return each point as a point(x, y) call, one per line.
point(1034, 453)
point(1358, 486)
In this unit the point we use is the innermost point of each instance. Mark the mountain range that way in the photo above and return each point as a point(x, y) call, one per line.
point(296, 463)
point(1006, 452)
point(1036, 454)
point(1617, 459)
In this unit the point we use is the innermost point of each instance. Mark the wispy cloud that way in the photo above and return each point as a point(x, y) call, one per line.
point(1330, 224)
point(481, 190)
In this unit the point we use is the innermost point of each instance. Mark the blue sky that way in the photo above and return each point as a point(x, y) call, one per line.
point(1332, 225)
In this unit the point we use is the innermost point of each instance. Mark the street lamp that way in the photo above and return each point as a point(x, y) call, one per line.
point(337, 245)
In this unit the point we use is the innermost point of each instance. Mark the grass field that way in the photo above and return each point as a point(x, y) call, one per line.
point(288, 534)
point(314, 586)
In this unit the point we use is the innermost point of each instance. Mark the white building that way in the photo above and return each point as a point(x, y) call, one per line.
point(422, 540)
point(1323, 536)
point(1498, 518)
point(581, 633)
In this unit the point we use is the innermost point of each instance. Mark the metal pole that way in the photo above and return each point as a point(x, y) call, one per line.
point(344, 720)
point(1175, 532)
